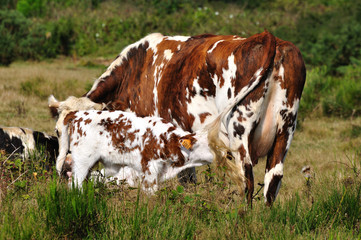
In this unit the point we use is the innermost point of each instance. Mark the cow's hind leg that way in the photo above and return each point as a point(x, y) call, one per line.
point(242, 157)
point(290, 73)
point(275, 158)
point(240, 129)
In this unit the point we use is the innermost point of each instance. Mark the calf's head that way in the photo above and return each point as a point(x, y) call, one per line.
point(197, 149)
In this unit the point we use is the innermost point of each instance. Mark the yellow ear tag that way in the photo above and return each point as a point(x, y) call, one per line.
point(187, 144)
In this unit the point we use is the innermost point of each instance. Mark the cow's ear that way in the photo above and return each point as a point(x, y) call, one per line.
point(116, 105)
point(53, 106)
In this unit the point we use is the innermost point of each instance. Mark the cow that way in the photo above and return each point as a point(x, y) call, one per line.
point(189, 81)
point(17, 141)
point(149, 150)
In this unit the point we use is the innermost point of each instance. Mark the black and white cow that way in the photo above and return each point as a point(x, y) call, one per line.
point(23, 141)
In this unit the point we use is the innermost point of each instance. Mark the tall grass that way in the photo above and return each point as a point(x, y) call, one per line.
point(74, 213)
point(53, 211)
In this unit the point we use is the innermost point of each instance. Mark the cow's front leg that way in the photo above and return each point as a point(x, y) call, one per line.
point(150, 183)
point(81, 165)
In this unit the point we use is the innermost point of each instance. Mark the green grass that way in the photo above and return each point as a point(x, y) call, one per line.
point(326, 205)
point(51, 210)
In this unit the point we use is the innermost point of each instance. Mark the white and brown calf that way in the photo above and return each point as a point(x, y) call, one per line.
point(149, 149)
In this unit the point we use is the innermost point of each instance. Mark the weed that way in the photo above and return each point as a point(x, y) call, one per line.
point(73, 212)
point(18, 174)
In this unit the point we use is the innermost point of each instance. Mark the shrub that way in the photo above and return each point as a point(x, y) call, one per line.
point(13, 27)
point(329, 36)
point(7, 4)
point(344, 101)
point(31, 8)
point(8, 46)
point(61, 37)
point(334, 95)
point(317, 84)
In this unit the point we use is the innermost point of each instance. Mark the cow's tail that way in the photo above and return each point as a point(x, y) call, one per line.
point(223, 156)
point(63, 149)
point(222, 153)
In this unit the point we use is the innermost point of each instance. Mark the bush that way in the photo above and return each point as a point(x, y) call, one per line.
point(31, 8)
point(329, 36)
point(316, 86)
point(333, 95)
point(22, 39)
point(61, 37)
point(344, 101)
point(13, 27)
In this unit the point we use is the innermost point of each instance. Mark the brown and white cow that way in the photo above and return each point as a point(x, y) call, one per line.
point(189, 80)
point(149, 150)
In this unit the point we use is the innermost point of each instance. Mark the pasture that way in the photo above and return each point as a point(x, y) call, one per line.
point(36, 204)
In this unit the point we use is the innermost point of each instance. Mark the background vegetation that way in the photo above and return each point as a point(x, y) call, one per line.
point(327, 32)
point(60, 46)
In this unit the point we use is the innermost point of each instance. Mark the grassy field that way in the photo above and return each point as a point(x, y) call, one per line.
point(35, 206)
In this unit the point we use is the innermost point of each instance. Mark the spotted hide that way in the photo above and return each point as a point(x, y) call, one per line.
point(23, 141)
point(189, 80)
point(148, 150)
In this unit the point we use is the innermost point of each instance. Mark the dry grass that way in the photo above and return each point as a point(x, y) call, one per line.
point(25, 87)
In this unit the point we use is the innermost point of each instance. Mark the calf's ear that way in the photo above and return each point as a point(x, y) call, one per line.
point(53, 106)
point(188, 141)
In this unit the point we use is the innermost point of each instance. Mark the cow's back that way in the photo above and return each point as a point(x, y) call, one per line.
point(187, 80)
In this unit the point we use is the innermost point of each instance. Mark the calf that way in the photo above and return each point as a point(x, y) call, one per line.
point(134, 148)
point(23, 141)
